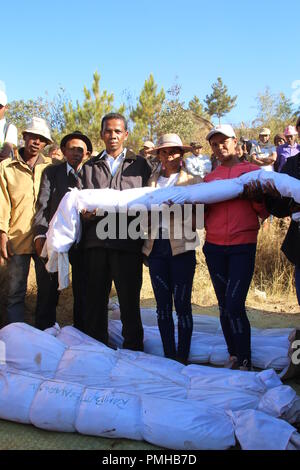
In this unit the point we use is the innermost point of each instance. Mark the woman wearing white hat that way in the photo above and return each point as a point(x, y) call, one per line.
point(230, 247)
point(172, 260)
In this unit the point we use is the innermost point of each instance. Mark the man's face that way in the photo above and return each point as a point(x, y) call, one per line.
point(196, 150)
point(75, 152)
point(34, 143)
point(291, 139)
point(114, 135)
point(264, 138)
point(2, 111)
point(223, 147)
point(147, 151)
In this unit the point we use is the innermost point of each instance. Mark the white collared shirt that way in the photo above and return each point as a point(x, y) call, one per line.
point(114, 163)
point(70, 168)
point(11, 135)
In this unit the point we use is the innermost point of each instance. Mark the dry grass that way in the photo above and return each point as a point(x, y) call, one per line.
point(272, 288)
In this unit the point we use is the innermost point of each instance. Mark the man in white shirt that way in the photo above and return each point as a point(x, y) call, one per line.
point(264, 152)
point(109, 256)
point(8, 132)
point(198, 164)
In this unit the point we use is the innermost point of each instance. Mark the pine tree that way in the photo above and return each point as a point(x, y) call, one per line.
point(146, 113)
point(174, 118)
point(219, 103)
point(87, 116)
point(197, 107)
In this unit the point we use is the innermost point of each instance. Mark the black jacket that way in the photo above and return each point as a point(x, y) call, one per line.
point(55, 183)
point(133, 172)
point(281, 208)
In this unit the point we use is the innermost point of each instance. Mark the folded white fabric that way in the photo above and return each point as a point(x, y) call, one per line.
point(92, 389)
point(65, 229)
point(269, 346)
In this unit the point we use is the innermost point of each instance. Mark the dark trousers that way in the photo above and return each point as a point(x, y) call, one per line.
point(172, 278)
point(18, 270)
point(231, 269)
point(104, 265)
point(297, 282)
point(47, 317)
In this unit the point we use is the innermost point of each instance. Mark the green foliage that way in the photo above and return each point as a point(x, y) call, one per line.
point(219, 103)
point(174, 118)
point(87, 116)
point(275, 111)
point(196, 107)
point(20, 112)
point(147, 111)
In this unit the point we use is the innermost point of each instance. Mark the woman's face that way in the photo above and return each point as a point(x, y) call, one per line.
point(170, 158)
point(279, 141)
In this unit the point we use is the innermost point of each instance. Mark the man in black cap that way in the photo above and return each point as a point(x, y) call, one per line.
point(55, 183)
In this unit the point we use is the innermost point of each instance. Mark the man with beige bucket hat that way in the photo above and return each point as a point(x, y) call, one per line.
point(20, 178)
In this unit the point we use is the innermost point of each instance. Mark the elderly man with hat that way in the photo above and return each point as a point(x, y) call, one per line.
point(264, 152)
point(20, 178)
point(198, 164)
point(288, 149)
point(56, 182)
point(8, 132)
point(146, 152)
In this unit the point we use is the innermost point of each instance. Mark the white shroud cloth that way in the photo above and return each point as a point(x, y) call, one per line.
point(65, 229)
point(65, 381)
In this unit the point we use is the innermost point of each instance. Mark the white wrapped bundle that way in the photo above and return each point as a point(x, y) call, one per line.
point(259, 431)
point(277, 401)
point(269, 348)
point(31, 350)
point(88, 365)
point(198, 423)
point(70, 336)
point(64, 228)
point(17, 392)
point(55, 406)
point(109, 413)
point(185, 425)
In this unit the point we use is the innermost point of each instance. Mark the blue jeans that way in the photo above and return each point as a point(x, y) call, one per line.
point(231, 269)
point(297, 282)
point(18, 269)
point(172, 278)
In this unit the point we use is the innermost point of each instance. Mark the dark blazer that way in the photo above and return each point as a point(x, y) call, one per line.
point(133, 172)
point(282, 208)
point(55, 183)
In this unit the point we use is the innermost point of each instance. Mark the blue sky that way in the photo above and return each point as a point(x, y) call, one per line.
point(250, 44)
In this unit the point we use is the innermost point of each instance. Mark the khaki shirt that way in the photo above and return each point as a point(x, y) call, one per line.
point(19, 188)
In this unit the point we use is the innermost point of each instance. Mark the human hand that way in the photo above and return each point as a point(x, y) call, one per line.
point(5, 249)
point(39, 244)
point(88, 216)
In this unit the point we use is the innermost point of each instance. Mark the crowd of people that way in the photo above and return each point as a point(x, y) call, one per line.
point(32, 186)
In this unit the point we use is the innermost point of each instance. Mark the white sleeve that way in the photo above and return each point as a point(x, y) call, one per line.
point(12, 135)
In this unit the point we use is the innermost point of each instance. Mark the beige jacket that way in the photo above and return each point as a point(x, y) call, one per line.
point(182, 244)
point(19, 188)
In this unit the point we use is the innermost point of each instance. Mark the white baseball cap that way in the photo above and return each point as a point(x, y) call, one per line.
point(3, 98)
point(225, 129)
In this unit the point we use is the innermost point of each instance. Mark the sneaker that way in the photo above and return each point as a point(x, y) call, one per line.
point(245, 367)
